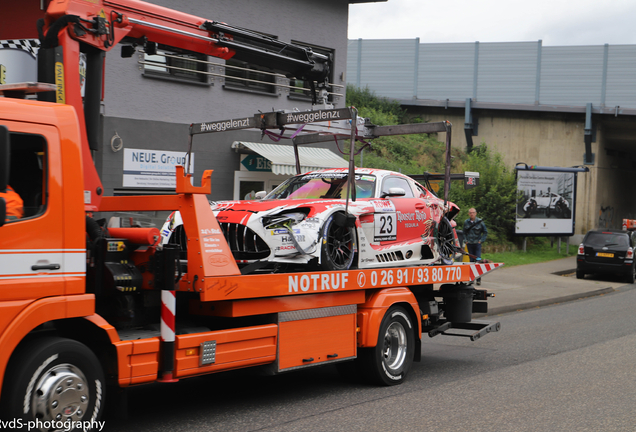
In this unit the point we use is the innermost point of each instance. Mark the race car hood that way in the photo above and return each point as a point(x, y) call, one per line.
point(241, 211)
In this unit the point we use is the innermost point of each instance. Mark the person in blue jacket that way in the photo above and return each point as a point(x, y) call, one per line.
point(475, 233)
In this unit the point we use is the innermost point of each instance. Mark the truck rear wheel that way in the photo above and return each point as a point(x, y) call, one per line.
point(390, 360)
point(55, 381)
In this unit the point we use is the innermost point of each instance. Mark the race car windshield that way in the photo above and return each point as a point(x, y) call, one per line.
point(323, 185)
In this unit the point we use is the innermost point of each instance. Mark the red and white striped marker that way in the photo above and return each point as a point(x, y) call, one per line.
point(478, 270)
point(168, 312)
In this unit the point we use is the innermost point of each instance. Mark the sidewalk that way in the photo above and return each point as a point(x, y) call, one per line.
point(534, 285)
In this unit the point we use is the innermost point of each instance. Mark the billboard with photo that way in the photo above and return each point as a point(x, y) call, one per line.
point(545, 203)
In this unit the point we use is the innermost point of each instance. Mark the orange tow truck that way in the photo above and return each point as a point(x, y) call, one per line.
point(85, 310)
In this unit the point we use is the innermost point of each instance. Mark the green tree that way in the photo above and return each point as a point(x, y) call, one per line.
point(409, 154)
point(494, 198)
point(381, 111)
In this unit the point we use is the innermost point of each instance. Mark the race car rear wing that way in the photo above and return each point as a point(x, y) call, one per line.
point(470, 178)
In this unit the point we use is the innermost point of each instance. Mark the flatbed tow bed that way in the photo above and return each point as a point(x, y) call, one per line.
point(233, 295)
point(314, 318)
point(288, 320)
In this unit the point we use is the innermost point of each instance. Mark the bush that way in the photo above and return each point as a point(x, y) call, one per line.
point(381, 111)
point(408, 154)
point(494, 198)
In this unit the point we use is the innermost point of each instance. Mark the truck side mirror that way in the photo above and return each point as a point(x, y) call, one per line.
point(3, 211)
point(5, 159)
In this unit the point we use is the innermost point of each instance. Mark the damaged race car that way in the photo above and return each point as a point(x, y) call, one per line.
point(394, 221)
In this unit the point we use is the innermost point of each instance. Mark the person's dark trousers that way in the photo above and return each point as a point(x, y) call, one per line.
point(475, 251)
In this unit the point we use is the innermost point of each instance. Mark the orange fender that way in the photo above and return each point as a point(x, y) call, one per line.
point(370, 313)
point(40, 312)
point(137, 360)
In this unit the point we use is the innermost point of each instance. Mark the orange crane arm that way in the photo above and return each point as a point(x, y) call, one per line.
point(94, 27)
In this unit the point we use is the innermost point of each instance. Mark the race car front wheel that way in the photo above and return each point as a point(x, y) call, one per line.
point(338, 245)
point(445, 241)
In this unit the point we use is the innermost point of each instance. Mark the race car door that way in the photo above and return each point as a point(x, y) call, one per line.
point(396, 219)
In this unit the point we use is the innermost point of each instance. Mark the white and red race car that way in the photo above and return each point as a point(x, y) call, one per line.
point(394, 221)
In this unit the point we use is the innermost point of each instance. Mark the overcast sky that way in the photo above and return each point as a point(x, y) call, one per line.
point(556, 22)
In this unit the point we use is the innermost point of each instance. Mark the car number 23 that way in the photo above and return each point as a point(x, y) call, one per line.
point(385, 227)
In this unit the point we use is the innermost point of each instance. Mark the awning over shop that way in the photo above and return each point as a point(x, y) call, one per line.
point(283, 159)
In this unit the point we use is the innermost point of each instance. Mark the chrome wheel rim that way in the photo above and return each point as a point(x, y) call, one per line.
point(395, 346)
point(61, 394)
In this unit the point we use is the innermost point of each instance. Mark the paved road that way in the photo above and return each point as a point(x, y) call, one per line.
point(562, 367)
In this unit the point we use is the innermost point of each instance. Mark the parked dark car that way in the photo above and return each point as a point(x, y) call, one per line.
point(609, 251)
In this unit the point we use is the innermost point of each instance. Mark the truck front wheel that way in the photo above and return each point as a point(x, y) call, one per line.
point(54, 380)
point(390, 360)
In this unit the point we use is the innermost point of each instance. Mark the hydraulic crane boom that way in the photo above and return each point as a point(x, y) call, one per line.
point(71, 27)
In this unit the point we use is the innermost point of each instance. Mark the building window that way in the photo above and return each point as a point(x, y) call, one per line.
point(180, 66)
point(240, 75)
point(300, 89)
point(28, 170)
